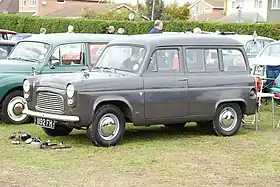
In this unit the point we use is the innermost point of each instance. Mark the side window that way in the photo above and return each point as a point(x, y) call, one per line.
point(69, 54)
point(95, 50)
point(202, 60)
point(233, 60)
point(165, 60)
point(4, 51)
point(211, 60)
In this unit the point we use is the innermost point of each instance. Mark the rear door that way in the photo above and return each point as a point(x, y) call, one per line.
point(203, 79)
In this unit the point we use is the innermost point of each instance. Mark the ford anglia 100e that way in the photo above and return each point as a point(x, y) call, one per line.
point(146, 80)
point(44, 54)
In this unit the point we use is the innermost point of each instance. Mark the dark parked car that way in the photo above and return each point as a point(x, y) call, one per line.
point(164, 79)
point(6, 47)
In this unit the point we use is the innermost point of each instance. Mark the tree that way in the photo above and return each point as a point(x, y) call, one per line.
point(159, 10)
point(176, 12)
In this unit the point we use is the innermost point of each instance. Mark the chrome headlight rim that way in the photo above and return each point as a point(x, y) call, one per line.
point(70, 91)
point(26, 86)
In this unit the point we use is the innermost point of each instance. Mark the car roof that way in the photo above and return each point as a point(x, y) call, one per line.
point(245, 38)
point(162, 39)
point(23, 34)
point(8, 42)
point(61, 38)
point(275, 42)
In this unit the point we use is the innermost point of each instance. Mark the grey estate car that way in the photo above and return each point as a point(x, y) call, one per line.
point(146, 80)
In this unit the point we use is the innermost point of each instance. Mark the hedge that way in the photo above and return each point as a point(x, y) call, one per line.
point(32, 24)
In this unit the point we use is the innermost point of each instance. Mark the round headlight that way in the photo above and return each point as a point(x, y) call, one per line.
point(26, 86)
point(70, 91)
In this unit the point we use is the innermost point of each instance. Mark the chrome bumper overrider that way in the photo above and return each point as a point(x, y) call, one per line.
point(51, 116)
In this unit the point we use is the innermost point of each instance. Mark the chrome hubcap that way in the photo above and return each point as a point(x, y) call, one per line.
point(15, 108)
point(228, 119)
point(108, 126)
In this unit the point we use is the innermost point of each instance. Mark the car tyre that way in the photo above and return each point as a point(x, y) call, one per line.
point(11, 109)
point(228, 119)
point(59, 130)
point(108, 126)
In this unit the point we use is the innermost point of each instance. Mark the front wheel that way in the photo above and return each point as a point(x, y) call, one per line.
point(108, 126)
point(12, 108)
point(59, 130)
point(228, 119)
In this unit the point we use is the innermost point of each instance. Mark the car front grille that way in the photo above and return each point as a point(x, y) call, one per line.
point(50, 102)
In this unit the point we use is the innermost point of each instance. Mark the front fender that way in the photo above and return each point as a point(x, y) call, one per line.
point(111, 98)
point(10, 82)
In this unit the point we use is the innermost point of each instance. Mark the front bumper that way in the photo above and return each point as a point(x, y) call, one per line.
point(51, 116)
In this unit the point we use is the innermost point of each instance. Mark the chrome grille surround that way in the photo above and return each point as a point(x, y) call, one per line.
point(50, 102)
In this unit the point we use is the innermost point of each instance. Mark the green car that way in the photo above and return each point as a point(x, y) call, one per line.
point(44, 54)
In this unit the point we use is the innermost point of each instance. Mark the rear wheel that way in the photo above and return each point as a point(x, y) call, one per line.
point(59, 130)
point(228, 119)
point(108, 126)
point(12, 107)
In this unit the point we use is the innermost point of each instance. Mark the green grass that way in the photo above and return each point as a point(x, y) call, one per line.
point(153, 156)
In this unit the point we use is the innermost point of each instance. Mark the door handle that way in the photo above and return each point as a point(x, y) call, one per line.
point(183, 79)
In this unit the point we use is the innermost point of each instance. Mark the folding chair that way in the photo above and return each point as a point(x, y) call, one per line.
point(266, 79)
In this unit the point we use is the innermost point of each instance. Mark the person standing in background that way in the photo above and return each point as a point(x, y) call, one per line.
point(70, 29)
point(120, 31)
point(158, 26)
point(110, 30)
point(197, 30)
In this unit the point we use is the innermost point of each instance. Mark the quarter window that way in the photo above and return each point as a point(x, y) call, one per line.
point(233, 60)
point(95, 50)
point(165, 60)
point(68, 54)
point(201, 60)
point(4, 51)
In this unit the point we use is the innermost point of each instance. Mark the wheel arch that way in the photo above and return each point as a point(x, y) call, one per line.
point(117, 101)
point(13, 88)
point(241, 103)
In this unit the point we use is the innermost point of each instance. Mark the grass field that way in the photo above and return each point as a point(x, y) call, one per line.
point(153, 156)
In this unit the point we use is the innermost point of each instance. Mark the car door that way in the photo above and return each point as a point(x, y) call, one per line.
point(165, 85)
point(204, 80)
point(67, 58)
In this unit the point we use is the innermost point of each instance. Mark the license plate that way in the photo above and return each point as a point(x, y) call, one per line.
point(259, 70)
point(46, 123)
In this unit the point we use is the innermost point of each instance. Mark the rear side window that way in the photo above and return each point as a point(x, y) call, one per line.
point(233, 60)
point(202, 60)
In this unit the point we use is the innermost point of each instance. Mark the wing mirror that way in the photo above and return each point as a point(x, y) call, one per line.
point(34, 70)
point(53, 62)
